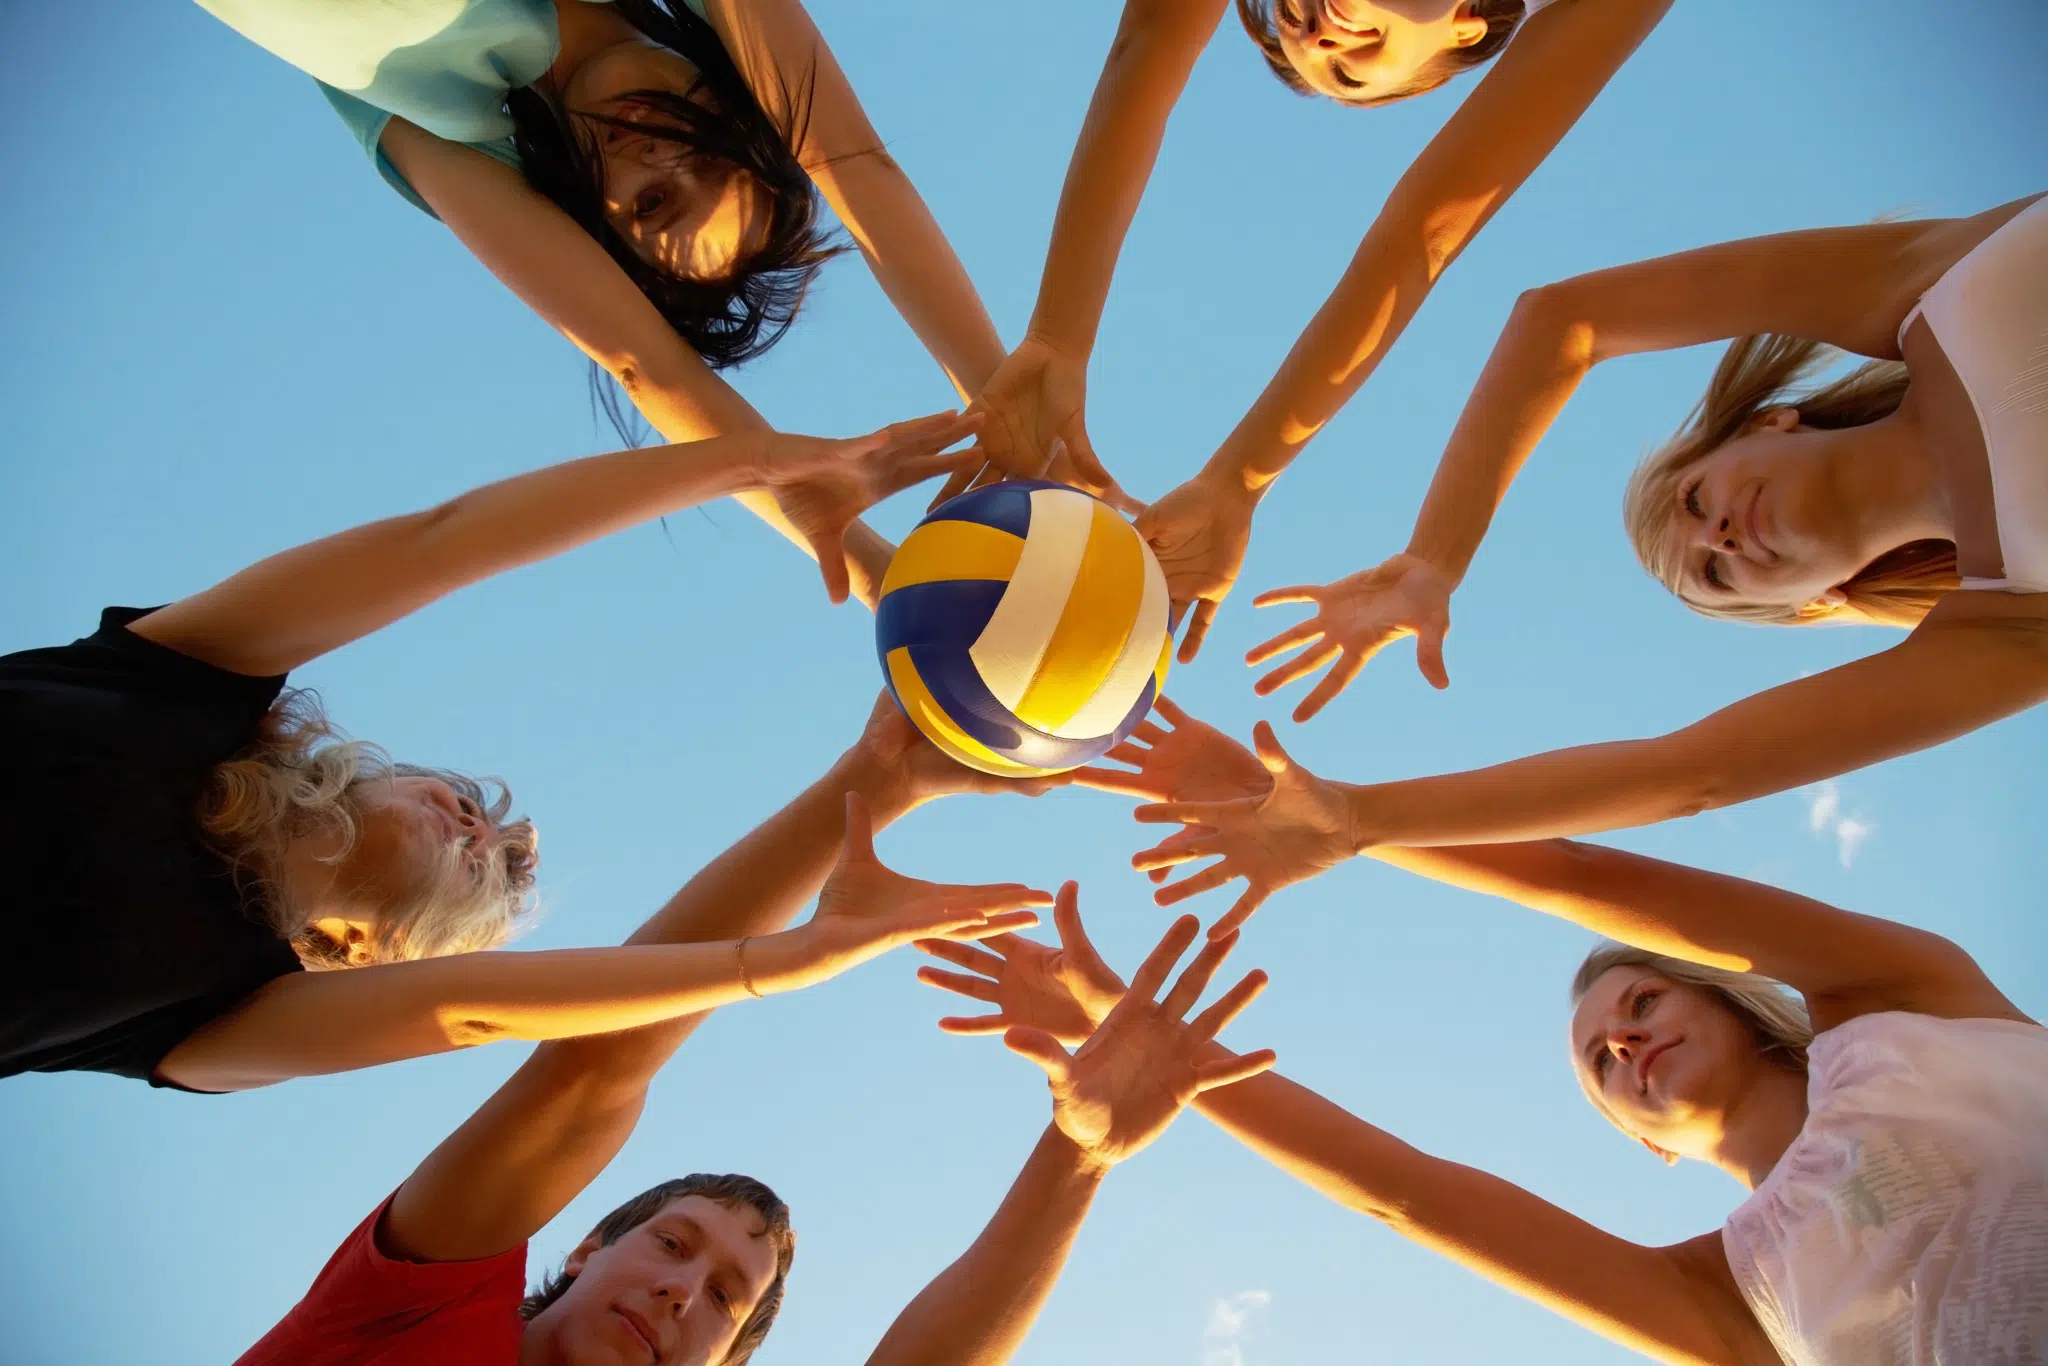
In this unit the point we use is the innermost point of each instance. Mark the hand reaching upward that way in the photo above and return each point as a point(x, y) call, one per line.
point(1193, 762)
point(1356, 617)
point(1064, 991)
point(823, 485)
point(920, 772)
point(1199, 533)
point(866, 909)
point(1300, 828)
point(1035, 410)
point(1144, 1063)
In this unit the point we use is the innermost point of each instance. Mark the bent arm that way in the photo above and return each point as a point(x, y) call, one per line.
point(1157, 43)
point(1845, 964)
point(979, 1309)
point(781, 53)
point(1977, 658)
point(561, 273)
point(555, 1124)
point(1511, 121)
point(296, 606)
point(1675, 1304)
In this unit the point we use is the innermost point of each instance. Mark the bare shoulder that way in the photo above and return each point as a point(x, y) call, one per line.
point(1937, 244)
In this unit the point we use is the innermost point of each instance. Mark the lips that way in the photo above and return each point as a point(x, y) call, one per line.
point(1335, 16)
point(1750, 520)
point(1651, 1058)
point(641, 1329)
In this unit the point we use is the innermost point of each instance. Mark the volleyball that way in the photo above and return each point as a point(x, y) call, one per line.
point(1023, 628)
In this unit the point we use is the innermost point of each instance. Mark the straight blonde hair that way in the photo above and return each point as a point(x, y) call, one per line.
point(1774, 1012)
point(1760, 373)
point(301, 777)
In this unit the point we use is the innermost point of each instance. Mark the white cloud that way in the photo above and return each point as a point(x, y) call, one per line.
point(1224, 1337)
point(1824, 817)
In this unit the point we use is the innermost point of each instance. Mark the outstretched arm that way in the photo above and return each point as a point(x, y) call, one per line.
point(781, 53)
point(1677, 1304)
point(1512, 120)
point(551, 1128)
point(300, 604)
point(1133, 1073)
point(561, 273)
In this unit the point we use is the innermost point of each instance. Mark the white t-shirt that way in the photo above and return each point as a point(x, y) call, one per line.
point(1907, 1225)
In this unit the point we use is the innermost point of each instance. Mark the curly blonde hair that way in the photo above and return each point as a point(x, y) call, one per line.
point(1757, 374)
point(301, 777)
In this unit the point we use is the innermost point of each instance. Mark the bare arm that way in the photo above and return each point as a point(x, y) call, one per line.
point(540, 254)
point(1977, 658)
point(779, 49)
point(1843, 963)
point(978, 1311)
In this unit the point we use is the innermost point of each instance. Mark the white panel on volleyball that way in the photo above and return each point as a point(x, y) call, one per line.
point(1126, 679)
point(1009, 648)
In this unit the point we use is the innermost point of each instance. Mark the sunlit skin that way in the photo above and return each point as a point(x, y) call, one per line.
point(1784, 514)
point(677, 213)
point(1355, 50)
point(674, 1291)
point(403, 825)
point(1673, 1067)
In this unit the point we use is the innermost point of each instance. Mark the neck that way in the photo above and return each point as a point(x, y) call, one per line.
point(1888, 477)
point(584, 30)
point(310, 877)
point(1769, 1116)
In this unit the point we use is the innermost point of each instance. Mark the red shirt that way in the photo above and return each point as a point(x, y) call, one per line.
point(365, 1309)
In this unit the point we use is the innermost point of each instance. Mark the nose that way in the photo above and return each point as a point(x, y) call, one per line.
point(1716, 533)
point(673, 1296)
point(1626, 1040)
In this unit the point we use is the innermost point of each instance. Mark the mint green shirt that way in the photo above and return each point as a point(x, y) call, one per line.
point(443, 65)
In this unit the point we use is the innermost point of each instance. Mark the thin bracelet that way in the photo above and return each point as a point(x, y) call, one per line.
point(739, 953)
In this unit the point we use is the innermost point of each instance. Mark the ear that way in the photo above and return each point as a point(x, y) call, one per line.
point(1467, 27)
point(1670, 1158)
point(579, 1256)
point(1775, 420)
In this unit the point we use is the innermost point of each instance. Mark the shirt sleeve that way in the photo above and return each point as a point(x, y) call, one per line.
point(362, 1298)
point(158, 669)
point(366, 124)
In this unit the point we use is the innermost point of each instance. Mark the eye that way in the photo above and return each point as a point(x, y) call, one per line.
point(1602, 1060)
point(1642, 1003)
point(1343, 81)
point(1711, 572)
point(1288, 14)
point(1692, 501)
point(650, 202)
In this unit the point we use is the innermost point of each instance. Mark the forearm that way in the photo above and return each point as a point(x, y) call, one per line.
point(1533, 372)
point(1148, 66)
point(978, 1311)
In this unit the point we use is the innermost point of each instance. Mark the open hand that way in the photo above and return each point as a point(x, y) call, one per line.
point(1193, 762)
point(920, 772)
point(1035, 406)
point(1199, 533)
point(1356, 617)
point(1064, 991)
point(1145, 1062)
point(866, 909)
point(823, 485)
point(1300, 828)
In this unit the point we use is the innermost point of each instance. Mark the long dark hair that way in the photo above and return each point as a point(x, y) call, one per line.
point(740, 315)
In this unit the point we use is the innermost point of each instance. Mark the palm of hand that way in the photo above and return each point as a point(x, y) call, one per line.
point(1049, 988)
point(860, 896)
point(1030, 400)
point(1373, 606)
point(1299, 829)
point(1199, 540)
point(1195, 762)
point(1126, 1084)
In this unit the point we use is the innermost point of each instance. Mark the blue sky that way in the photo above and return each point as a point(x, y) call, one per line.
point(228, 337)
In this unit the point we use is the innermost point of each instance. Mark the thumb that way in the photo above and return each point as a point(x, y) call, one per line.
point(858, 843)
point(1429, 657)
point(831, 551)
point(1042, 1048)
point(1271, 754)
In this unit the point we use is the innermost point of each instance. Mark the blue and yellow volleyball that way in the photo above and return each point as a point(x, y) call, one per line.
point(1023, 628)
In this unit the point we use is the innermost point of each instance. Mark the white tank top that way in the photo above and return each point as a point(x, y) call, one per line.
point(1990, 314)
point(1907, 1225)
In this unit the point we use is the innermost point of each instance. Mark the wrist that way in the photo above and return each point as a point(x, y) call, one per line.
point(753, 455)
point(1229, 476)
point(1069, 341)
point(786, 961)
point(1437, 560)
point(1364, 827)
point(888, 789)
point(1077, 1164)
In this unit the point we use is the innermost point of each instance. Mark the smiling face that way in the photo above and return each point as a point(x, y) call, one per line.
point(1666, 1062)
point(1760, 520)
point(1358, 51)
point(406, 830)
point(681, 213)
point(672, 1291)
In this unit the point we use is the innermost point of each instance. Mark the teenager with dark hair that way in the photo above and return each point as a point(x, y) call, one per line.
point(645, 175)
point(192, 835)
point(692, 1272)
point(1360, 53)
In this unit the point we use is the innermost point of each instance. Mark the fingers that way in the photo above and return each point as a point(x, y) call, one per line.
point(1189, 846)
point(1114, 780)
point(976, 1024)
point(1159, 874)
point(1234, 918)
point(982, 929)
point(1151, 974)
point(831, 553)
point(1066, 920)
point(1226, 1071)
point(857, 844)
point(1270, 752)
point(1194, 978)
point(1301, 592)
point(1301, 633)
point(1208, 880)
point(954, 486)
point(1182, 813)
point(1198, 630)
point(959, 983)
point(1231, 1003)
point(1148, 733)
point(985, 900)
point(1301, 666)
point(1042, 1048)
point(1170, 709)
point(1330, 684)
point(961, 955)
point(1429, 657)
point(917, 469)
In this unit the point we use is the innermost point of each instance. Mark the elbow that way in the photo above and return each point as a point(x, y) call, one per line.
point(1556, 313)
point(467, 1031)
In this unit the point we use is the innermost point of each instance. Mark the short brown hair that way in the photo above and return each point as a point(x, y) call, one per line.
point(1502, 18)
point(733, 1192)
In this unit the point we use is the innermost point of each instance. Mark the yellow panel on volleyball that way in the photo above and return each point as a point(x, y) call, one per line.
point(926, 714)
